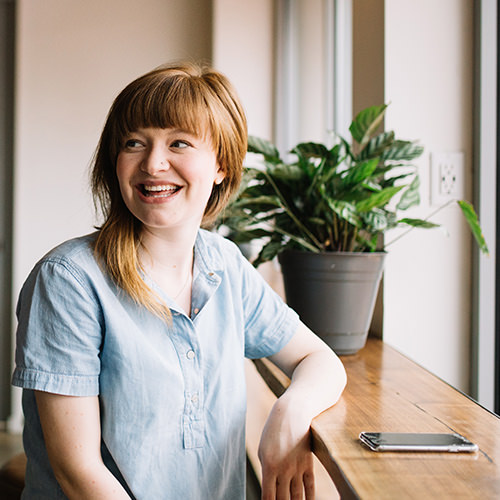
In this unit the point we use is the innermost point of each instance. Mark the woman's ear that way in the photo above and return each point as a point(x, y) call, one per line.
point(219, 176)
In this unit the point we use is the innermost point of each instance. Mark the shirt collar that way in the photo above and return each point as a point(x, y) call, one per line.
point(208, 257)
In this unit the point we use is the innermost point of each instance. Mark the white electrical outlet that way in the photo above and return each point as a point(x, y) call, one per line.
point(447, 177)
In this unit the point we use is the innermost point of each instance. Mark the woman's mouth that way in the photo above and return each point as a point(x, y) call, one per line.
point(159, 191)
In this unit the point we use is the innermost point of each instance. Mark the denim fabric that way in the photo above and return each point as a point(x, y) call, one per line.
point(172, 398)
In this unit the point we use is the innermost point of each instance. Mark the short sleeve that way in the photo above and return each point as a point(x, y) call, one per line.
point(269, 322)
point(59, 332)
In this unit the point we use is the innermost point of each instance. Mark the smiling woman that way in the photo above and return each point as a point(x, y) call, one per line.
point(131, 341)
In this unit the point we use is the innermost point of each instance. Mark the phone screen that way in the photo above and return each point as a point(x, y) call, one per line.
point(390, 441)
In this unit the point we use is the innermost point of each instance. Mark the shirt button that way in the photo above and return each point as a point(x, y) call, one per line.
point(196, 311)
point(210, 274)
point(190, 354)
point(194, 399)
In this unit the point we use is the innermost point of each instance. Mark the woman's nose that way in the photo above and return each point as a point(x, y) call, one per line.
point(155, 161)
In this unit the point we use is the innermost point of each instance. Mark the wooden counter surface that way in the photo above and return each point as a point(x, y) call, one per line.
point(388, 392)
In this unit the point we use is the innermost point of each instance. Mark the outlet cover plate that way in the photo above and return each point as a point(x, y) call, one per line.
point(447, 177)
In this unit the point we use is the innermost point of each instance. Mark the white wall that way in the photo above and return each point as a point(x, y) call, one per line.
point(312, 76)
point(428, 80)
point(243, 46)
point(73, 57)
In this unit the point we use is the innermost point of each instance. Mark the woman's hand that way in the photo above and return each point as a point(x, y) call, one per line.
point(286, 457)
point(317, 381)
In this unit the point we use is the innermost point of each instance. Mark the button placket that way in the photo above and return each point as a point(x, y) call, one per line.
point(204, 286)
point(186, 343)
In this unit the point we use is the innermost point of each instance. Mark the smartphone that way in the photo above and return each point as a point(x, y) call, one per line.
point(401, 441)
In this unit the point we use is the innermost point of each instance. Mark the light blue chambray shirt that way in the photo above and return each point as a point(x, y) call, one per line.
point(172, 399)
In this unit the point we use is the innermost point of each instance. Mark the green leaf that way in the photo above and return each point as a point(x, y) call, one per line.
point(345, 211)
point(378, 199)
point(359, 172)
point(311, 149)
point(254, 191)
point(376, 146)
point(402, 150)
point(336, 153)
point(410, 196)
point(371, 186)
point(271, 201)
point(250, 235)
point(263, 147)
point(471, 218)
point(421, 223)
point(347, 147)
point(392, 220)
point(301, 241)
point(367, 244)
point(366, 122)
point(391, 181)
point(269, 251)
point(377, 220)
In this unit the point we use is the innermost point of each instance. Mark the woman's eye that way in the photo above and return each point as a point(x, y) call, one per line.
point(132, 143)
point(180, 144)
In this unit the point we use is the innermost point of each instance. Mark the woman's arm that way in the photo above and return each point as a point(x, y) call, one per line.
point(72, 433)
point(317, 381)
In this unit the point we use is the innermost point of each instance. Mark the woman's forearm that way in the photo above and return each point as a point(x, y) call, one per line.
point(317, 374)
point(92, 483)
point(317, 381)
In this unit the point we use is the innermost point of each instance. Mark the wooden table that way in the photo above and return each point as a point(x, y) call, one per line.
point(388, 392)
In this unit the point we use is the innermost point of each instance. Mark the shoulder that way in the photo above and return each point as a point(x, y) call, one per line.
point(73, 259)
point(75, 249)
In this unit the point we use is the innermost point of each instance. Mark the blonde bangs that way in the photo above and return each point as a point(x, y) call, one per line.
point(173, 102)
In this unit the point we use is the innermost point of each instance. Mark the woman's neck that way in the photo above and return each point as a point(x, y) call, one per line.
point(169, 263)
point(168, 248)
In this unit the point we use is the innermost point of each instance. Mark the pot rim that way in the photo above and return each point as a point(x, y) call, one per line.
point(353, 254)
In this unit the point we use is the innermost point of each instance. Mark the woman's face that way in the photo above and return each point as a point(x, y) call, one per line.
point(166, 177)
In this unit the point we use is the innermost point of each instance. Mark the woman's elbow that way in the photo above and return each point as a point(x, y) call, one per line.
point(340, 378)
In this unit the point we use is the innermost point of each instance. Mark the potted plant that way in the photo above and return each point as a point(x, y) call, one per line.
point(323, 213)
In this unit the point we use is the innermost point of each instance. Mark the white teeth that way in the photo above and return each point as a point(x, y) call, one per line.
point(160, 188)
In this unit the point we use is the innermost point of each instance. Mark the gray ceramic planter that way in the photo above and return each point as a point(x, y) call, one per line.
point(334, 294)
